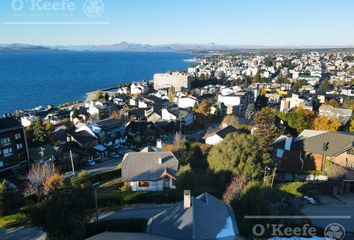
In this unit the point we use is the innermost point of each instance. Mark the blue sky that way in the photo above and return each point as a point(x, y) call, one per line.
point(238, 22)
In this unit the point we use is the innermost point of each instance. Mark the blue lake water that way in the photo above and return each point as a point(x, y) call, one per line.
point(29, 79)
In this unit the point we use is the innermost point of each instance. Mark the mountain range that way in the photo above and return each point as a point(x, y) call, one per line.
point(137, 47)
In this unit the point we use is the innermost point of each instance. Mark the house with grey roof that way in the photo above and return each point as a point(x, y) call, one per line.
point(150, 170)
point(312, 148)
point(218, 136)
point(199, 218)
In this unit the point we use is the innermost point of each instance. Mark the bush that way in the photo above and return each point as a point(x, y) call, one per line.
point(116, 225)
point(106, 176)
point(10, 199)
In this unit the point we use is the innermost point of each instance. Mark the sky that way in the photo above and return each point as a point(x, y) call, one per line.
point(234, 22)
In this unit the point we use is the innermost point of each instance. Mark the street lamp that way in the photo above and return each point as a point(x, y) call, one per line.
point(94, 186)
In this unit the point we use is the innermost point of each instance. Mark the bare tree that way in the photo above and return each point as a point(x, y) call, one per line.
point(235, 188)
point(37, 176)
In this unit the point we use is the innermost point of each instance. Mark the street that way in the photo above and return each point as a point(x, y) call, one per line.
point(339, 210)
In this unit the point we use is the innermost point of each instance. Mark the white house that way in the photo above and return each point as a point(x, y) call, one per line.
point(186, 102)
point(150, 171)
point(172, 115)
point(218, 137)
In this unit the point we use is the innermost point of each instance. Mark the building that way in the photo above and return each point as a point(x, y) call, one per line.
point(288, 104)
point(218, 137)
point(195, 218)
point(312, 148)
point(13, 144)
point(150, 171)
point(341, 114)
point(177, 80)
point(203, 217)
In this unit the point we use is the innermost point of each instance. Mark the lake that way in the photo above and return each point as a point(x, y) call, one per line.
point(30, 79)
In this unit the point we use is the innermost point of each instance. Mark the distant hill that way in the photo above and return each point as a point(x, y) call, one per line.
point(23, 47)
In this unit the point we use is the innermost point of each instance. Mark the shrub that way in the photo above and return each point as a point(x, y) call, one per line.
point(10, 199)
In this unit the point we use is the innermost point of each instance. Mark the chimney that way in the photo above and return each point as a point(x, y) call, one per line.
point(187, 201)
point(158, 145)
point(159, 160)
point(68, 138)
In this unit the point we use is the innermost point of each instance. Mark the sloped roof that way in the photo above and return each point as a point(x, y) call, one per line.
point(9, 123)
point(207, 218)
point(144, 166)
point(320, 142)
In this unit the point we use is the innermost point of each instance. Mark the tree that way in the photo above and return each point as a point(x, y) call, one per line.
point(326, 86)
point(238, 153)
point(351, 127)
point(257, 78)
point(299, 119)
point(324, 123)
point(297, 85)
point(266, 131)
point(250, 113)
point(259, 200)
point(10, 199)
point(197, 160)
point(204, 107)
point(37, 176)
point(75, 113)
point(98, 95)
point(39, 132)
point(171, 94)
point(65, 212)
point(195, 106)
point(230, 120)
point(235, 188)
point(261, 101)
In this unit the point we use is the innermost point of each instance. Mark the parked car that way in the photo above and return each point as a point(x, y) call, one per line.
point(69, 174)
point(91, 163)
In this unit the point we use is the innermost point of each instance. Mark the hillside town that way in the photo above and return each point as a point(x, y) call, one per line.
point(189, 154)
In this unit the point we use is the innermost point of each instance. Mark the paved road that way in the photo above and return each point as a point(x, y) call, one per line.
point(104, 166)
point(143, 211)
point(22, 233)
point(341, 209)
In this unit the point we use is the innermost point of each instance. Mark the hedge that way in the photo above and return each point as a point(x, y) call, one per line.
point(116, 225)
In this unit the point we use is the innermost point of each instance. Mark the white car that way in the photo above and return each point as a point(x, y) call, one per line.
point(91, 163)
point(69, 174)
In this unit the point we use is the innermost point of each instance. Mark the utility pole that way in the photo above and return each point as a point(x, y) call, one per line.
point(94, 186)
point(274, 170)
point(72, 162)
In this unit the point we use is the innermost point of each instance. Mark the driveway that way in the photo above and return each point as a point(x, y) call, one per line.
point(141, 211)
point(22, 233)
point(104, 166)
point(338, 210)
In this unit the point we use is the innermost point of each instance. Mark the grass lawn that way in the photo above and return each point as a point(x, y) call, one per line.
point(293, 188)
point(14, 220)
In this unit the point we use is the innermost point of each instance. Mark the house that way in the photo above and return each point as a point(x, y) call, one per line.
point(312, 148)
point(150, 171)
point(202, 217)
point(99, 110)
point(218, 136)
point(13, 144)
point(236, 102)
point(288, 104)
point(84, 139)
point(110, 131)
point(176, 115)
point(194, 218)
point(145, 132)
point(187, 102)
point(341, 114)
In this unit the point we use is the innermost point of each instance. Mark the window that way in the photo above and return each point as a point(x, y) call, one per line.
point(144, 184)
point(19, 146)
point(7, 152)
point(18, 136)
point(1, 163)
point(280, 153)
point(5, 141)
